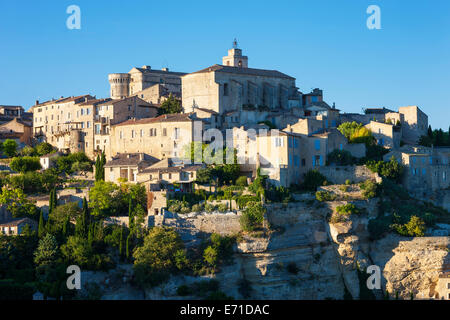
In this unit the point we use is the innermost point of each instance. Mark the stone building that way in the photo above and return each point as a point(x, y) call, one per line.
point(82, 123)
point(414, 125)
point(15, 226)
point(111, 112)
point(9, 113)
point(133, 83)
point(126, 166)
point(161, 137)
point(237, 93)
point(19, 129)
point(169, 174)
point(387, 135)
point(427, 169)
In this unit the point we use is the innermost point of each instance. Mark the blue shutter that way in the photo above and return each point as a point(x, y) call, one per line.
point(321, 161)
point(314, 161)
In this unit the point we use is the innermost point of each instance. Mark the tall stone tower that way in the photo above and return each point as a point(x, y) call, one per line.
point(235, 57)
point(120, 85)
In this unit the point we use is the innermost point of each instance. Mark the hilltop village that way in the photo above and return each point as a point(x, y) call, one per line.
point(225, 161)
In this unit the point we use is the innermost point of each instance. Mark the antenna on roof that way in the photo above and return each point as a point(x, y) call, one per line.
point(235, 44)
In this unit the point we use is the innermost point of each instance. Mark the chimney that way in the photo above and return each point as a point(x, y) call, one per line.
point(85, 99)
point(37, 102)
point(165, 69)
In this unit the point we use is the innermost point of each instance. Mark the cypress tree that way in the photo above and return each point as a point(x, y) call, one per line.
point(102, 166)
point(97, 168)
point(121, 241)
point(430, 132)
point(50, 202)
point(55, 199)
point(41, 227)
point(66, 226)
point(81, 228)
point(130, 214)
point(128, 249)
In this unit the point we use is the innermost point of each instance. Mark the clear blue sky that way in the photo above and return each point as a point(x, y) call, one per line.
point(323, 44)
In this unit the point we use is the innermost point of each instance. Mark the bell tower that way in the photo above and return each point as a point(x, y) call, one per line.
point(235, 57)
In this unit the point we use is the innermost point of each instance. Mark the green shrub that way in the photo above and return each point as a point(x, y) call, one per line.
point(414, 228)
point(197, 208)
point(344, 188)
point(325, 196)
point(244, 199)
point(313, 179)
point(348, 182)
point(369, 188)
point(25, 164)
point(242, 181)
point(340, 158)
point(223, 207)
point(210, 207)
point(347, 209)
point(252, 217)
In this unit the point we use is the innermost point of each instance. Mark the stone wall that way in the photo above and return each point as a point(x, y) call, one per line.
point(356, 174)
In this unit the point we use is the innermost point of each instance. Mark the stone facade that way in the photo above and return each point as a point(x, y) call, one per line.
point(20, 127)
point(161, 137)
point(138, 79)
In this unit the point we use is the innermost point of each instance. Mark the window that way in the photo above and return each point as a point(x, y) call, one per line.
point(303, 162)
point(341, 146)
point(431, 160)
point(132, 134)
point(278, 142)
point(97, 129)
point(82, 112)
point(129, 108)
point(82, 125)
point(142, 133)
point(121, 135)
point(88, 111)
point(296, 143)
point(317, 144)
point(88, 124)
point(444, 175)
point(290, 142)
point(164, 132)
point(177, 133)
point(424, 171)
point(225, 89)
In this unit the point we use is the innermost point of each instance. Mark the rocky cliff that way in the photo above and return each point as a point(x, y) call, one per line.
point(306, 257)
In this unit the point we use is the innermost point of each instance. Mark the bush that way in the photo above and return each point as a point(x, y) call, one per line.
point(242, 181)
point(252, 217)
point(25, 164)
point(44, 148)
point(369, 188)
point(313, 179)
point(223, 207)
point(325, 196)
point(348, 182)
point(343, 188)
point(414, 228)
point(210, 207)
point(244, 199)
point(340, 158)
point(392, 170)
point(197, 208)
point(347, 209)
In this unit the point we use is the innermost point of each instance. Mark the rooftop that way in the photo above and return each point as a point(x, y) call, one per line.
point(175, 117)
point(245, 71)
point(131, 159)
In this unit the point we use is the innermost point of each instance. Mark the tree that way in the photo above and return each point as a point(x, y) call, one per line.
point(252, 216)
point(82, 226)
point(47, 250)
point(102, 200)
point(41, 227)
point(157, 257)
point(171, 105)
point(77, 251)
point(210, 255)
point(44, 148)
point(9, 147)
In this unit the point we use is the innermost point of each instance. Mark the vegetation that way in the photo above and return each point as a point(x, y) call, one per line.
point(437, 138)
point(369, 189)
point(25, 164)
point(9, 147)
point(340, 158)
point(356, 133)
point(313, 179)
point(252, 216)
point(325, 196)
point(171, 105)
point(392, 170)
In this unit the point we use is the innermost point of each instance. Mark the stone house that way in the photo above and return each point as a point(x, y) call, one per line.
point(415, 123)
point(15, 226)
point(386, 134)
point(23, 129)
point(169, 174)
point(162, 137)
point(126, 166)
point(47, 160)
